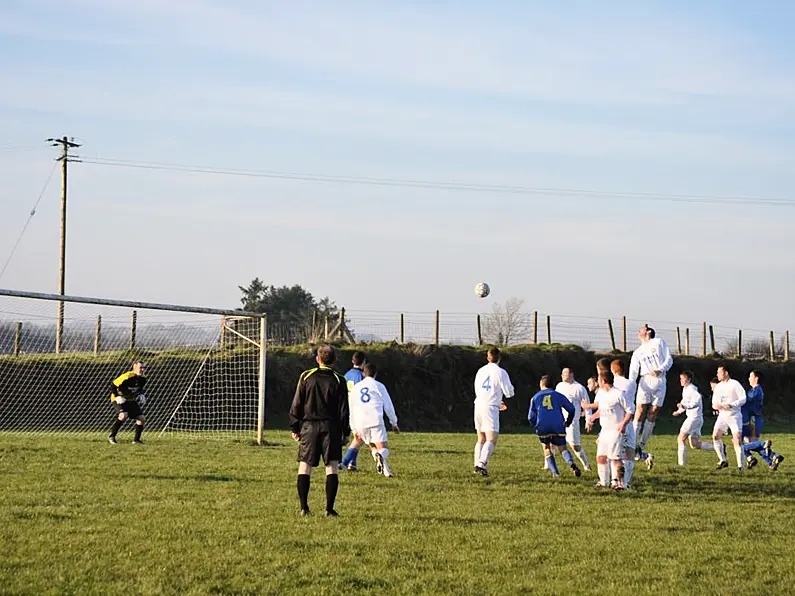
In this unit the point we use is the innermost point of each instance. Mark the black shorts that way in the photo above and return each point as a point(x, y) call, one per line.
point(131, 408)
point(319, 439)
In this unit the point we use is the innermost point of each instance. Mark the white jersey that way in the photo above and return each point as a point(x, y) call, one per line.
point(628, 388)
point(613, 408)
point(649, 357)
point(370, 401)
point(491, 384)
point(692, 402)
point(728, 392)
point(576, 393)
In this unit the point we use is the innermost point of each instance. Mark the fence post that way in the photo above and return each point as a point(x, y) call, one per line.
point(98, 335)
point(678, 341)
point(786, 346)
point(549, 330)
point(480, 333)
point(325, 328)
point(535, 326)
point(312, 336)
point(342, 323)
point(436, 330)
point(402, 336)
point(612, 337)
point(18, 338)
point(687, 341)
point(711, 340)
point(133, 328)
point(739, 343)
point(772, 347)
point(704, 338)
point(624, 334)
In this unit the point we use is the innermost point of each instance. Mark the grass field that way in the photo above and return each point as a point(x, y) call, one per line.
point(183, 515)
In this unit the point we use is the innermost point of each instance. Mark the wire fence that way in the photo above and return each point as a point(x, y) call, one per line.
point(21, 320)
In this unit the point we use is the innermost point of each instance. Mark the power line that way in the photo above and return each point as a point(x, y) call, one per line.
point(27, 223)
point(443, 185)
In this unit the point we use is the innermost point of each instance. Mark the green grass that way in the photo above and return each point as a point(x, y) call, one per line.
point(183, 515)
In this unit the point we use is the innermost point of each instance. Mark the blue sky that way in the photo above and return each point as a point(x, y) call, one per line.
point(638, 97)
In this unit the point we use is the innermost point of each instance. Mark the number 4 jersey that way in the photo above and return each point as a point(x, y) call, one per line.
point(369, 401)
point(491, 384)
point(546, 412)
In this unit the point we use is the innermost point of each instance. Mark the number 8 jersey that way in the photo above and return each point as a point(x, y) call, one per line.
point(369, 401)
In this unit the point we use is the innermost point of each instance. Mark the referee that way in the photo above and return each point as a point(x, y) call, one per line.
point(319, 422)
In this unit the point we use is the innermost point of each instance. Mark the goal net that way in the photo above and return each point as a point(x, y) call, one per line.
point(205, 367)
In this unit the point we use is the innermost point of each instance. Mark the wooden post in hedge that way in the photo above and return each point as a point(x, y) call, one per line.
point(98, 335)
point(18, 338)
point(687, 341)
point(678, 341)
point(711, 340)
point(739, 343)
point(436, 330)
point(535, 326)
point(612, 336)
point(133, 329)
point(624, 334)
point(402, 334)
point(342, 323)
point(325, 328)
point(772, 347)
point(480, 333)
point(549, 330)
point(786, 346)
point(704, 338)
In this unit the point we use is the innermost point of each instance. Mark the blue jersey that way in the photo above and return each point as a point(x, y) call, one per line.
point(754, 401)
point(546, 412)
point(353, 376)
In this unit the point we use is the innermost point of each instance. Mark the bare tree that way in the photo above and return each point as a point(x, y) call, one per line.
point(506, 323)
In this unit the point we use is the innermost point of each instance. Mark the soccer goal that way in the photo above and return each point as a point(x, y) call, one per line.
point(205, 367)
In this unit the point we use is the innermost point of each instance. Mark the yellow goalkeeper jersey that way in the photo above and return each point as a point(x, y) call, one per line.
point(129, 386)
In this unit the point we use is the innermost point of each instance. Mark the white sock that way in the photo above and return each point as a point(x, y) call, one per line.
point(385, 454)
point(478, 448)
point(707, 446)
point(682, 453)
point(615, 464)
point(647, 430)
point(629, 467)
point(485, 453)
point(580, 453)
point(738, 452)
point(604, 473)
point(718, 446)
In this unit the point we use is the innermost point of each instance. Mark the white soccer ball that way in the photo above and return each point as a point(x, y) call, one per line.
point(482, 290)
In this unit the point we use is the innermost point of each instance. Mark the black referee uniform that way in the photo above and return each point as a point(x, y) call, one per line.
point(319, 415)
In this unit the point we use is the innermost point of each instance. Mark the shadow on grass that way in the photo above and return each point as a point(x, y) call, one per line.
point(197, 477)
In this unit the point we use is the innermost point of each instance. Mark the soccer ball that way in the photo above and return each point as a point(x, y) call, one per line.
point(482, 290)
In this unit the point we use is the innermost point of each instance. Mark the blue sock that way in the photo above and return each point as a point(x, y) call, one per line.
point(567, 457)
point(755, 446)
point(644, 456)
point(553, 466)
point(760, 423)
point(768, 460)
point(350, 456)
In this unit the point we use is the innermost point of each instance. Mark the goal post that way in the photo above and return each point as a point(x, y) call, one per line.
point(206, 366)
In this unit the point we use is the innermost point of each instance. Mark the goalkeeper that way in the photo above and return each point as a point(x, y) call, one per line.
point(127, 394)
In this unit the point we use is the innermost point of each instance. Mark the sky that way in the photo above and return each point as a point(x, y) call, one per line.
point(639, 98)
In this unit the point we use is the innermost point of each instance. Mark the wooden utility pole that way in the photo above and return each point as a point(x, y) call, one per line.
point(65, 144)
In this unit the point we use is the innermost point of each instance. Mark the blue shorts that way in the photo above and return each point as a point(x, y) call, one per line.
point(553, 439)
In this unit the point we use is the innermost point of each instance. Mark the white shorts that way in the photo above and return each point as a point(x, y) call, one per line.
point(373, 434)
point(609, 444)
point(573, 432)
point(630, 437)
point(651, 390)
point(692, 426)
point(728, 421)
point(487, 419)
